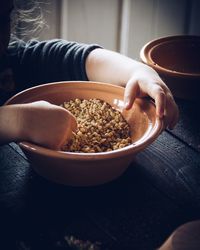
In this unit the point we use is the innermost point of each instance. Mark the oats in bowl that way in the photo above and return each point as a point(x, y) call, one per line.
point(101, 127)
point(90, 169)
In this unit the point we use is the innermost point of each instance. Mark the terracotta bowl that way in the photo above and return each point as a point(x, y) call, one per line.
point(176, 59)
point(85, 169)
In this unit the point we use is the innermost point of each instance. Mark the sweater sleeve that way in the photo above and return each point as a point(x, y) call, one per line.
point(37, 62)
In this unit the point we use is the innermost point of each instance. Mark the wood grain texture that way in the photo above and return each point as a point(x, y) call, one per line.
point(188, 127)
point(174, 168)
point(159, 192)
point(119, 214)
point(186, 237)
point(130, 210)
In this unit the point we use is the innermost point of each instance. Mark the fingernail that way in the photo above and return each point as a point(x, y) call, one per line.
point(126, 104)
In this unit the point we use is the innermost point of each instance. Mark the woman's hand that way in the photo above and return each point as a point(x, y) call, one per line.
point(45, 124)
point(138, 79)
point(146, 82)
point(38, 122)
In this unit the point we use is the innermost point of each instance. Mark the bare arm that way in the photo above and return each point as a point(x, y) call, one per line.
point(39, 122)
point(9, 124)
point(139, 80)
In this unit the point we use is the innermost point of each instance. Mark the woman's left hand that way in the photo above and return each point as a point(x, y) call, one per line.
point(146, 82)
point(138, 79)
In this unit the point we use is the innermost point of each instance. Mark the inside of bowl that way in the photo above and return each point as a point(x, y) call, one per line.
point(180, 55)
point(141, 117)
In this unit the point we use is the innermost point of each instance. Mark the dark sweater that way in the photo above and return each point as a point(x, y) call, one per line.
point(35, 62)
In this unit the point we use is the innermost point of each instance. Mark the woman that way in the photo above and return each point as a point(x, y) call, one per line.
point(26, 64)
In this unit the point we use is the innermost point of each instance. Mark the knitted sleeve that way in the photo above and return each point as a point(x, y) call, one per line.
point(37, 62)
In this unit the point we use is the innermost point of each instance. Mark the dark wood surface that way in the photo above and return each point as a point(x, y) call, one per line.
point(184, 237)
point(159, 192)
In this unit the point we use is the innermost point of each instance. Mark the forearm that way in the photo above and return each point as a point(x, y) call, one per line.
point(38, 122)
point(9, 124)
point(138, 79)
point(111, 67)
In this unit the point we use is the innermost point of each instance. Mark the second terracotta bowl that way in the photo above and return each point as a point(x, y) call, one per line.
point(85, 169)
point(176, 59)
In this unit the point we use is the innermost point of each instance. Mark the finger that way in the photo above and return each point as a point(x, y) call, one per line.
point(169, 120)
point(160, 102)
point(157, 93)
point(171, 107)
point(131, 92)
point(71, 120)
point(173, 123)
point(171, 112)
point(71, 127)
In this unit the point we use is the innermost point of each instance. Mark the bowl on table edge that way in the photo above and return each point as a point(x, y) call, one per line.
point(176, 59)
point(87, 169)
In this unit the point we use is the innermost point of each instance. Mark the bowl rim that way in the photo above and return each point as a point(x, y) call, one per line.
point(136, 146)
point(156, 129)
point(146, 50)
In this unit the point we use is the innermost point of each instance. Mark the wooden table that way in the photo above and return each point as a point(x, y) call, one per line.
point(159, 191)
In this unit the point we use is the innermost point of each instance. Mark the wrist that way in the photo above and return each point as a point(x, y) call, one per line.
point(10, 124)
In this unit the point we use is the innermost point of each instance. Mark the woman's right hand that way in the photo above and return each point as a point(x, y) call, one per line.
point(39, 122)
point(46, 124)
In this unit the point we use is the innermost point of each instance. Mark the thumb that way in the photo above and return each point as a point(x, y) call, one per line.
point(71, 127)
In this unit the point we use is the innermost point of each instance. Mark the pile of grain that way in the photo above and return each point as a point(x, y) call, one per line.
point(101, 128)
